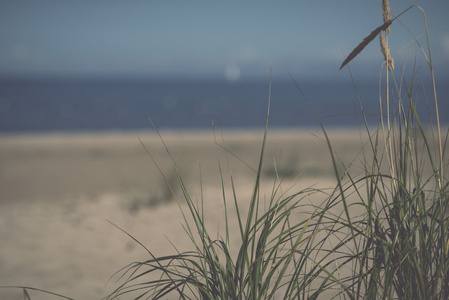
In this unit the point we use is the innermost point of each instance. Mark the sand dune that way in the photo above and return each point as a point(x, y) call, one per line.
point(58, 191)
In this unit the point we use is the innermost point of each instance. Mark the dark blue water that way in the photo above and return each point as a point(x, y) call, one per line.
point(97, 105)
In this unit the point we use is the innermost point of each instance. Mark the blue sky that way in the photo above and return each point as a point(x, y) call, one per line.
point(204, 39)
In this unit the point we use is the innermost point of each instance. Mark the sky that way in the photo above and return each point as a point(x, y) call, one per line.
point(232, 40)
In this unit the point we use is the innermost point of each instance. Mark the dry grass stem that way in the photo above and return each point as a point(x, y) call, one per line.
point(386, 52)
point(383, 40)
point(386, 14)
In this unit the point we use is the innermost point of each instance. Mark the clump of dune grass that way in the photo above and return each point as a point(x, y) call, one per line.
point(381, 235)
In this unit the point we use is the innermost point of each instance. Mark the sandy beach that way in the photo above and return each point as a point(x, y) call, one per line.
point(58, 192)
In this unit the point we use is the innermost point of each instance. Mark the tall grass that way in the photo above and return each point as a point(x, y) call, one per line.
point(381, 234)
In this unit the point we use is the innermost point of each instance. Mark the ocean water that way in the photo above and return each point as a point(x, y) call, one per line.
point(63, 105)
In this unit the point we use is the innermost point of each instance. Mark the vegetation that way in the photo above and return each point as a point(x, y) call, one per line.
point(379, 234)
point(390, 239)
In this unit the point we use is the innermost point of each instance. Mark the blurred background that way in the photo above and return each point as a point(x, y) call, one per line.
point(111, 65)
point(79, 81)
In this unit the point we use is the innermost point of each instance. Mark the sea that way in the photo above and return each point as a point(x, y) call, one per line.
point(98, 105)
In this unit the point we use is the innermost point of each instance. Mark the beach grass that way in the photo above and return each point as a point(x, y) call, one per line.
point(382, 232)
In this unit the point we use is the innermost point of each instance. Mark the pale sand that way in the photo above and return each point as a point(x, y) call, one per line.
point(57, 191)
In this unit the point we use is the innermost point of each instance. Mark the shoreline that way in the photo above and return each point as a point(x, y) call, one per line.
point(237, 133)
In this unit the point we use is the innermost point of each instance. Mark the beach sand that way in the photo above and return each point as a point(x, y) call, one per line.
point(59, 193)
